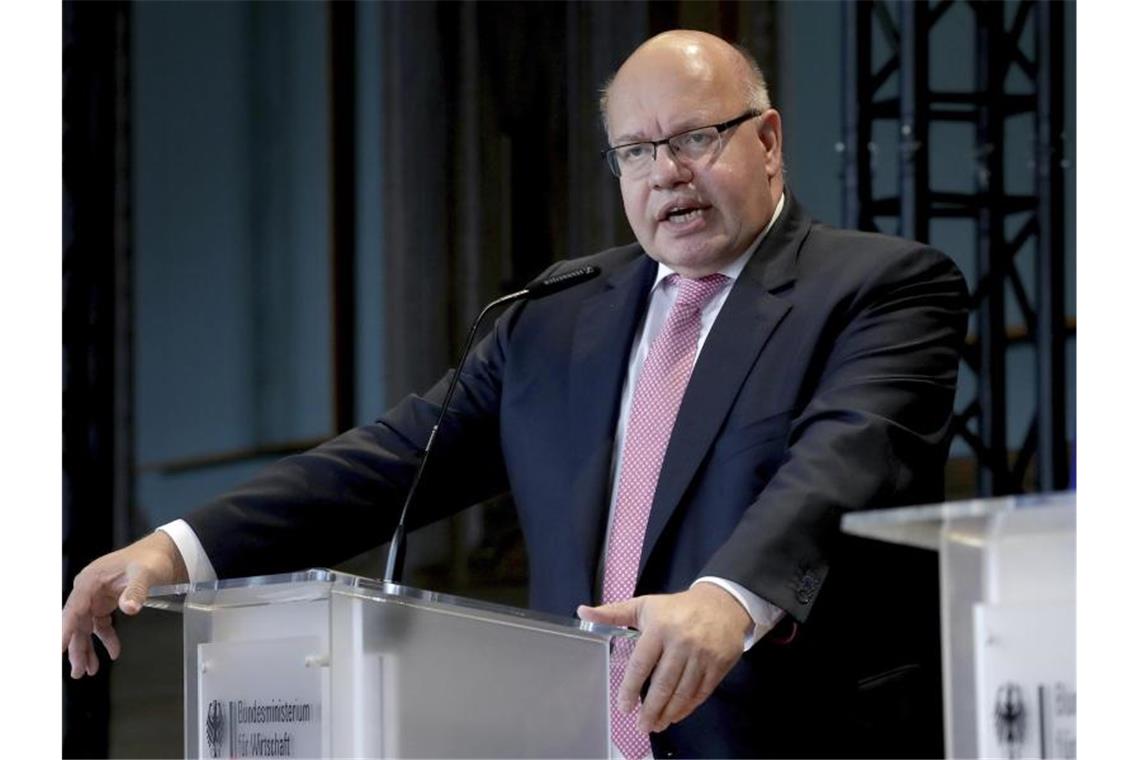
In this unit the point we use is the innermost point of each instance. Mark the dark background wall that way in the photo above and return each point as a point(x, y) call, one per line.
point(279, 218)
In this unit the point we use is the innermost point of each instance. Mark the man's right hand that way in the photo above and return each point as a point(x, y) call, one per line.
point(119, 579)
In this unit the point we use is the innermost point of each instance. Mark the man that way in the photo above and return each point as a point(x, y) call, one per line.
point(681, 436)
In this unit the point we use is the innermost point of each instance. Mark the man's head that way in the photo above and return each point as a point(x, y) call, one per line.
point(695, 216)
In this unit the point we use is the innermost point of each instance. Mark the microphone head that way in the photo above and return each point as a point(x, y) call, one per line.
point(559, 282)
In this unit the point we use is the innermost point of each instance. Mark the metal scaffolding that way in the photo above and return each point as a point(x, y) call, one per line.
point(887, 53)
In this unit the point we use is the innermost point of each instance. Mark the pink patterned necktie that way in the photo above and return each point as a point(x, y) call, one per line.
point(656, 399)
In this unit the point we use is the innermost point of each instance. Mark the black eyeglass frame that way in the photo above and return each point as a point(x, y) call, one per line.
point(721, 128)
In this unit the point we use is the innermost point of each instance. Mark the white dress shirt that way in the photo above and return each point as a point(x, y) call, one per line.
point(661, 299)
point(198, 565)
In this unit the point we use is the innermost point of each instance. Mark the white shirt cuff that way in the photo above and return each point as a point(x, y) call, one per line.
point(764, 614)
point(198, 565)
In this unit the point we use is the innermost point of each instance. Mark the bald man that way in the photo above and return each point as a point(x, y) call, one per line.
point(680, 436)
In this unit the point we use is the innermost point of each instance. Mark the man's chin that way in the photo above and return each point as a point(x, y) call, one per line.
point(696, 259)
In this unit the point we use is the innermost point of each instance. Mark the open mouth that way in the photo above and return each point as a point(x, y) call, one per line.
point(684, 215)
point(681, 213)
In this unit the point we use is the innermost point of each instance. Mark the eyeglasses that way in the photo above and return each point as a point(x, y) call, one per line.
point(635, 160)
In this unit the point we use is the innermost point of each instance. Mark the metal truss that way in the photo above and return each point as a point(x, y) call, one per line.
point(1008, 36)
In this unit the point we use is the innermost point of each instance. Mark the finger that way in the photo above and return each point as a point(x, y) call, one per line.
point(616, 613)
point(75, 609)
point(68, 629)
point(711, 677)
point(92, 659)
point(686, 697)
point(68, 626)
point(77, 644)
point(637, 670)
point(134, 595)
point(77, 654)
point(664, 682)
point(106, 633)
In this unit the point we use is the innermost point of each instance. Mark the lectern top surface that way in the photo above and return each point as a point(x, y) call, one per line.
point(924, 526)
point(319, 584)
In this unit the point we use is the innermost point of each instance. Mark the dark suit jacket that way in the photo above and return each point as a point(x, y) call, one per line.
point(825, 385)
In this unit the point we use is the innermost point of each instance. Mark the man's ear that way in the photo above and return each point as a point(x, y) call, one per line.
point(771, 132)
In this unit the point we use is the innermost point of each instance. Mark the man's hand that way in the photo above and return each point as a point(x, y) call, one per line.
point(689, 641)
point(119, 579)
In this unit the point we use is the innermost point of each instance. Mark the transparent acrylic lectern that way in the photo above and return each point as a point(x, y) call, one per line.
point(324, 664)
point(1008, 607)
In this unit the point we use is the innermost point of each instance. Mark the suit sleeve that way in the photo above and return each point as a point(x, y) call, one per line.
point(874, 431)
point(343, 497)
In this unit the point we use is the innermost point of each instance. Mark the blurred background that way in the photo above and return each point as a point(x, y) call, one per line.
point(279, 219)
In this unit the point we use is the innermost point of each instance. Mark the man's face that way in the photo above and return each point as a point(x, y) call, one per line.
point(695, 218)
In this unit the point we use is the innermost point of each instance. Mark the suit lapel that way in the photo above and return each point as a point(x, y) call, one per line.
point(747, 320)
point(603, 334)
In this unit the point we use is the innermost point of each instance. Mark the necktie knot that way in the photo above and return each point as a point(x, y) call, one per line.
point(696, 293)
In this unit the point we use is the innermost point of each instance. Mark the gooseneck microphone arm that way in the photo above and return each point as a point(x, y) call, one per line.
point(394, 566)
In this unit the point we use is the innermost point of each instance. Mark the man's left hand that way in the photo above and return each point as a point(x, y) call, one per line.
point(689, 641)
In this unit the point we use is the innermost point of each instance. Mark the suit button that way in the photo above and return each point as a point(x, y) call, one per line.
point(808, 586)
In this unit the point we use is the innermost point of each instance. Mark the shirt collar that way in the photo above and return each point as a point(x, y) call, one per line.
point(733, 270)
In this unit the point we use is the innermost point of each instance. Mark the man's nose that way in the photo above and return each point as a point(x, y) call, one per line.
point(667, 169)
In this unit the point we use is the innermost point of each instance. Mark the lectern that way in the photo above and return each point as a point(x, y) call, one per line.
point(325, 664)
point(1008, 607)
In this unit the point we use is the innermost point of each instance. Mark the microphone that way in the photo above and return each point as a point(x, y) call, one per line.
point(394, 566)
point(560, 282)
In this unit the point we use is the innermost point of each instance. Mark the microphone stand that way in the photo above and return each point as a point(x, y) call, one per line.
point(394, 566)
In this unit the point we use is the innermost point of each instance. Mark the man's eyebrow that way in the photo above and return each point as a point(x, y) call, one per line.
point(630, 138)
point(693, 122)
